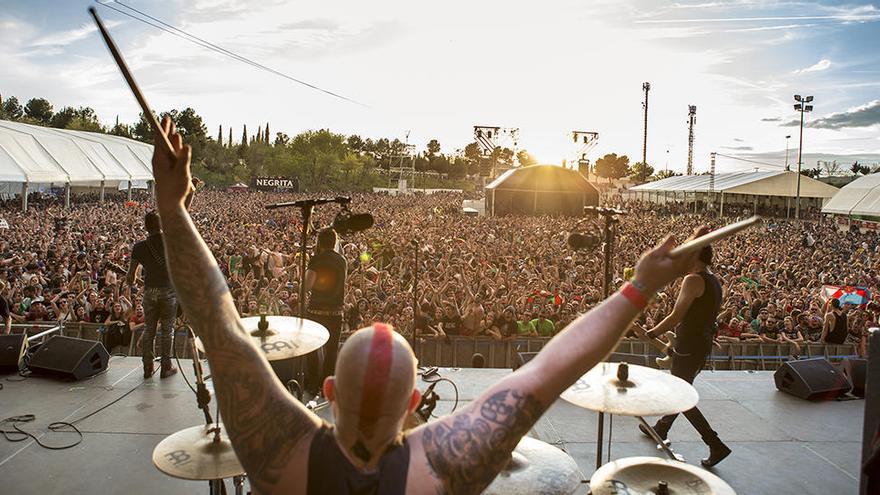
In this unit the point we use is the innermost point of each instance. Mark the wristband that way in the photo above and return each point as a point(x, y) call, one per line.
point(635, 296)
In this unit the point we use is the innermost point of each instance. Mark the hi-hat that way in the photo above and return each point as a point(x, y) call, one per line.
point(537, 467)
point(644, 392)
point(285, 337)
point(197, 454)
point(652, 475)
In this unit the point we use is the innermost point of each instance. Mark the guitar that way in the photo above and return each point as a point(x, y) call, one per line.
point(663, 346)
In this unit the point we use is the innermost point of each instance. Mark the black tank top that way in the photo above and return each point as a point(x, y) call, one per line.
point(330, 472)
point(697, 329)
point(838, 334)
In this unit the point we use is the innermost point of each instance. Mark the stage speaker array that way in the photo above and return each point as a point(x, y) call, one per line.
point(71, 358)
point(812, 379)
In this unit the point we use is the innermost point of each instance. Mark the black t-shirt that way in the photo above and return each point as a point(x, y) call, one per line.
point(151, 254)
point(99, 315)
point(329, 288)
point(4, 309)
point(505, 326)
point(451, 324)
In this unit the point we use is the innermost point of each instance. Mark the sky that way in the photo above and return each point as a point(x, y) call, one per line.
point(436, 69)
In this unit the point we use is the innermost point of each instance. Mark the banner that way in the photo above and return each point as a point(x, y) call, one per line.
point(281, 184)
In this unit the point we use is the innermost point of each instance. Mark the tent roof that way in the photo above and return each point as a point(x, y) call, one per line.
point(545, 178)
point(30, 153)
point(859, 197)
point(777, 183)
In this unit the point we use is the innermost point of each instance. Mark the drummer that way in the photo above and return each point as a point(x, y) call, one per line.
point(284, 448)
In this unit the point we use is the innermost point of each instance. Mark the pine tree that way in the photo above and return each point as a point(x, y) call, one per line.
point(244, 136)
point(259, 137)
point(229, 141)
point(220, 136)
point(267, 133)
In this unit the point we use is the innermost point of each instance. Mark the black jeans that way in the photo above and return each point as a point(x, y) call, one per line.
point(160, 309)
point(317, 373)
point(687, 367)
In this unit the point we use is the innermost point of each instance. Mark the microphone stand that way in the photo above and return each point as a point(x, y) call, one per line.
point(203, 397)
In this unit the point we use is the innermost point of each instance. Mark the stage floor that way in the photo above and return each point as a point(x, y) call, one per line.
point(780, 444)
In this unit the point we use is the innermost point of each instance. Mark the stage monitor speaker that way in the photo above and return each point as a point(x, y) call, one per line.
point(522, 358)
point(68, 357)
point(855, 370)
point(812, 379)
point(12, 350)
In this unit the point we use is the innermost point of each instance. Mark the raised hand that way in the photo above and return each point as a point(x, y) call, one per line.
point(174, 185)
point(656, 268)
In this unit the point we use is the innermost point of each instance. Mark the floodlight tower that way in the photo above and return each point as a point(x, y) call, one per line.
point(692, 121)
point(802, 107)
point(487, 138)
point(645, 87)
point(584, 141)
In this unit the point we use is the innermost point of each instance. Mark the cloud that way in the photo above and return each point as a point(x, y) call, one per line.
point(738, 148)
point(65, 38)
point(863, 116)
point(821, 65)
point(738, 140)
point(771, 119)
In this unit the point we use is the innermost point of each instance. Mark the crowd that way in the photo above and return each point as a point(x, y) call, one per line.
point(479, 277)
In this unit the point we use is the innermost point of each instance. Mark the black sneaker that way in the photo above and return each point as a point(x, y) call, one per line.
point(662, 434)
point(167, 371)
point(148, 370)
point(717, 453)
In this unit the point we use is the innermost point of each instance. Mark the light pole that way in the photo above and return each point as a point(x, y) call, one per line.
point(645, 87)
point(787, 168)
point(802, 107)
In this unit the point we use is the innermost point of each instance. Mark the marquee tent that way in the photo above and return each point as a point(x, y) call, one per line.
point(540, 189)
point(860, 197)
point(771, 188)
point(32, 157)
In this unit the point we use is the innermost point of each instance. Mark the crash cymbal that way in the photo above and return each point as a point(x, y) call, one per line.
point(643, 476)
point(286, 336)
point(194, 454)
point(536, 467)
point(644, 392)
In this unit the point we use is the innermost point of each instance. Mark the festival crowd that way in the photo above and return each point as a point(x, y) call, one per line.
point(482, 277)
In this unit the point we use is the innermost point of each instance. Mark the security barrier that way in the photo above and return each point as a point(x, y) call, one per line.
point(458, 352)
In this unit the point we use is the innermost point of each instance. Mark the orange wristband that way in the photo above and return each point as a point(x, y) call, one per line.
point(634, 296)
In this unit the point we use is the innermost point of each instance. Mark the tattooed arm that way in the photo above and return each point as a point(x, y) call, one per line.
point(268, 428)
point(464, 452)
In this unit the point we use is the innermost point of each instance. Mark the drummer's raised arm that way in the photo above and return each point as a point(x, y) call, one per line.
point(466, 450)
point(267, 426)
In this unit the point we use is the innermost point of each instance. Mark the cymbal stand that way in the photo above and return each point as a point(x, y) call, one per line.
point(661, 444)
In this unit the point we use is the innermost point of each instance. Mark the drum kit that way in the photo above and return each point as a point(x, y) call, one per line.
point(204, 453)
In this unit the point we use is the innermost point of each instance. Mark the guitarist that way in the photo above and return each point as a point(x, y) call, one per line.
point(693, 318)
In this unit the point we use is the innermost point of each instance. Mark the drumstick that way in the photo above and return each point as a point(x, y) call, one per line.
point(715, 235)
point(126, 73)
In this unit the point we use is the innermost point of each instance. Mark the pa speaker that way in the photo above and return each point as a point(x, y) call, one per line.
point(812, 379)
point(855, 370)
point(70, 358)
point(12, 350)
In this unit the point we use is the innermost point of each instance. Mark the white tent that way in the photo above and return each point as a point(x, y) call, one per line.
point(775, 188)
point(860, 197)
point(32, 157)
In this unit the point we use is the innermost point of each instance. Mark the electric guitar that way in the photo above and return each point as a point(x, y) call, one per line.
point(661, 345)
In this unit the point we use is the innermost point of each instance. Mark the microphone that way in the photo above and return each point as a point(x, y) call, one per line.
point(582, 241)
point(347, 222)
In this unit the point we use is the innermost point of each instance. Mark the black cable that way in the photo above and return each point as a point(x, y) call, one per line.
point(180, 33)
point(27, 418)
point(180, 367)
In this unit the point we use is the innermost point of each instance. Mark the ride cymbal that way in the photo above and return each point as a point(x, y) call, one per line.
point(537, 467)
point(197, 453)
point(655, 476)
point(285, 337)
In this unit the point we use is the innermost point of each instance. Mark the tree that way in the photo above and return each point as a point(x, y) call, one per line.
point(123, 130)
point(244, 139)
point(525, 158)
point(612, 166)
point(220, 135)
point(229, 141)
point(473, 155)
point(831, 168)
point(433, 148)
point(641, 171)
point(266, 134)
point(12, 109)
point(142, 131)
point(39, 109)
point(665, 174)
point(857, 169)
point(281, 139)
point(80, 119)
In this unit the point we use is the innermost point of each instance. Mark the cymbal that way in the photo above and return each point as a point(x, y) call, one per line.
point(286, 337)
point(642, 475)
point(646, 391)
point(537, 467)
point(192, 454)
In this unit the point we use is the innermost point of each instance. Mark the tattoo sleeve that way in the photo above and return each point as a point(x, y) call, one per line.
point(263, 421)
point(467, 451)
